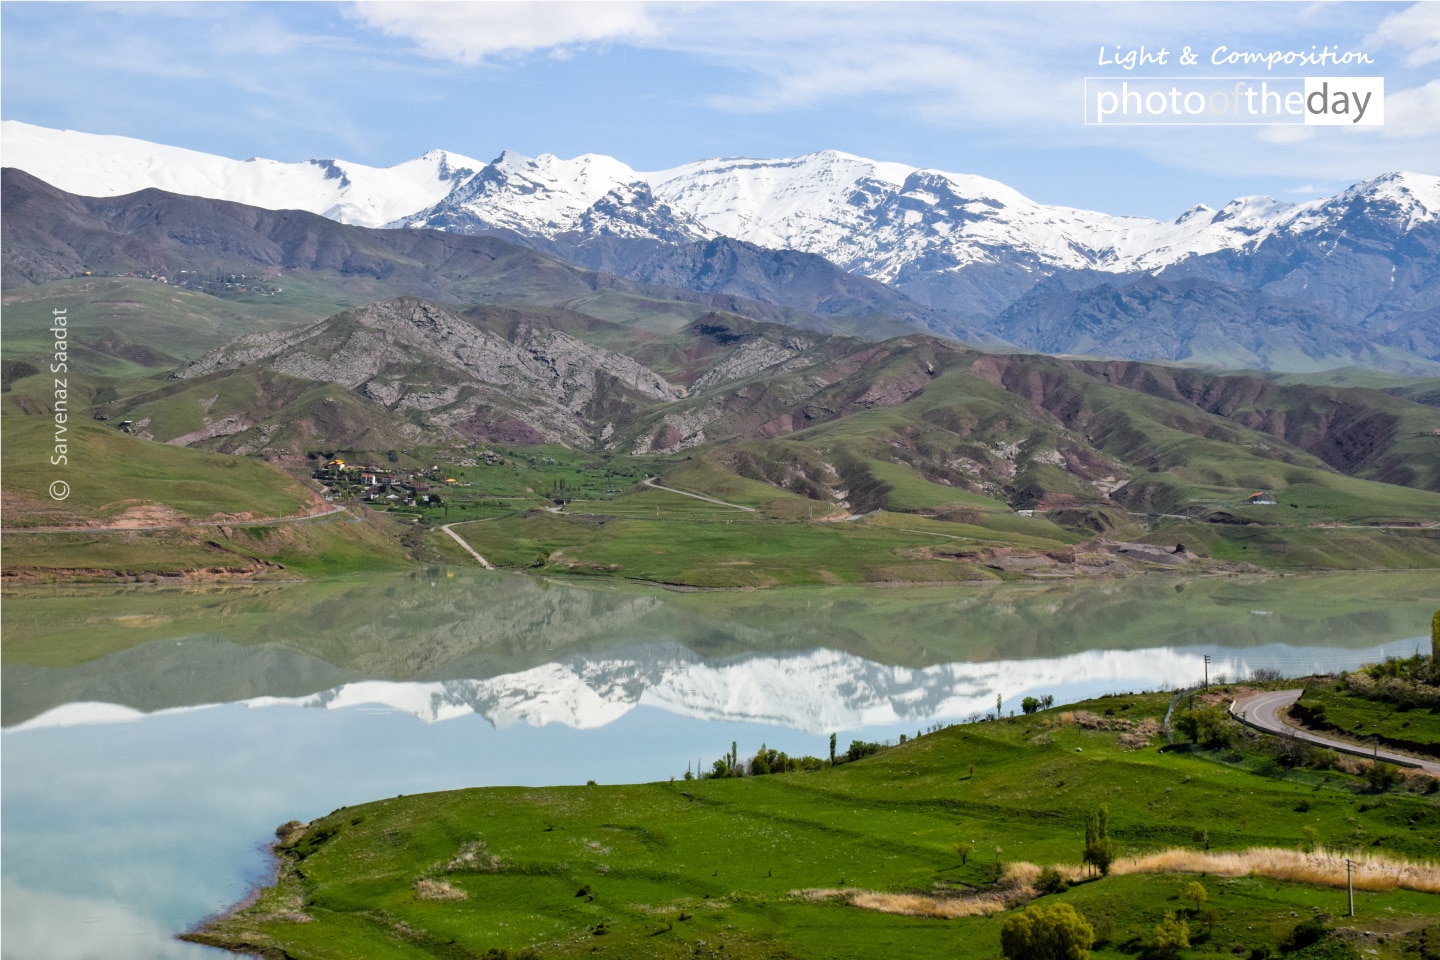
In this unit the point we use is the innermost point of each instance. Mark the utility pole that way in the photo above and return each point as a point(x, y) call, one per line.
point(1350, 884)
point(1207, 671)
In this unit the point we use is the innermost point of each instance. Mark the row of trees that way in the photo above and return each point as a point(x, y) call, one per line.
point(768, 761)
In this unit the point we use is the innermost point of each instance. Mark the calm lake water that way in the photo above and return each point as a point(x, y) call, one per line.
point(153, 738)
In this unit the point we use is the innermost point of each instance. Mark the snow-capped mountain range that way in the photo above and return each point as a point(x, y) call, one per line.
point(887, 221)
point(1350, 279)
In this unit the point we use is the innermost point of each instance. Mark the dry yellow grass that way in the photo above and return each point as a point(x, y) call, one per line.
point(426, 889)
point(1321, 867)
point(1017, 885)
point(474, 857)
point(1022, 875)
point(919, 904)
point(1140, 737)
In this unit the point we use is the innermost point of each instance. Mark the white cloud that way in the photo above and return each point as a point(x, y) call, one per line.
point(470, 33)
point(1416, 29)
point(1286, 133)
point(1414, 112)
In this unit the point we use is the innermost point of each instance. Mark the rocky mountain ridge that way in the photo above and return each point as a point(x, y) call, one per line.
point(408, 355)
point(1352, 279)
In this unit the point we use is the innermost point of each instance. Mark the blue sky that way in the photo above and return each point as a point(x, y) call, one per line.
point(990, 89)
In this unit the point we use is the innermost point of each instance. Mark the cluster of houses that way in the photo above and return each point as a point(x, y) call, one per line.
point(383, 486)
point(212, 283)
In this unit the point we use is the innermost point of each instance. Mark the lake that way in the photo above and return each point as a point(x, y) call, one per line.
point(154, 737)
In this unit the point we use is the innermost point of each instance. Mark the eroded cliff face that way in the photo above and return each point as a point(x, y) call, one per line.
point(426, 364)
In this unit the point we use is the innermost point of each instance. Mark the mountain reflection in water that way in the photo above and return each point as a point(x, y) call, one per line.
point(520, 649)
point(814, 691)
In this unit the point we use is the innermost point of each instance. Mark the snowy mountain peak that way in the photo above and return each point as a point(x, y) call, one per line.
point(97, 165)
point(1200, 210)
point(1416, 196)
point(888, 221)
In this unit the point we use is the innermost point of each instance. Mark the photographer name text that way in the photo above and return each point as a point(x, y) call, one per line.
point(60, 371)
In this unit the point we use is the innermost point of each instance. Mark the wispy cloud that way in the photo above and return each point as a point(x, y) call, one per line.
point(1414, 113)
point(471, 33)
point(1416, 29)
point(1006, 73)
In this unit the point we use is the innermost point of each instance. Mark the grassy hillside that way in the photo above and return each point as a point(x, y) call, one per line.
point(128, 326)
point(863, 860)
point(110, 473)
point(152, 510)
point(809, 431)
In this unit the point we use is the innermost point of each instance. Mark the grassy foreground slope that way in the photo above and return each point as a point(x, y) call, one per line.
point(816, 864)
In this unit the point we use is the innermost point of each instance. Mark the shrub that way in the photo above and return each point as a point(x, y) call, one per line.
point(1306, 932)
point(1051, 881)
point(1207, 726)
point(1170, 936)
point(1381, 776)
point(1054, 932)
point(861, 748)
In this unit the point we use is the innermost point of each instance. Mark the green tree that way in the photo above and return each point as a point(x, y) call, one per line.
point(1208, 726)
point(1099, 848)
point(1029, 705)
point(1054, 932)
point(1435, 640)
point(1171, 935)
point(832, 749)
point(1195, 893)
point(964, 848)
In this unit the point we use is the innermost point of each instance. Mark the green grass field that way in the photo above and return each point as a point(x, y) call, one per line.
point(716, 868)
point(1357, 718)
point(692, 542)
point(110, 472)
point(330, 546)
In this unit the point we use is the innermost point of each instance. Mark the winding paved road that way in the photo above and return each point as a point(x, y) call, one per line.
point(1262, 711)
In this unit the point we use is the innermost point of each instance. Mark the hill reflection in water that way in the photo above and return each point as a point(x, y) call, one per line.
point(519, 650)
